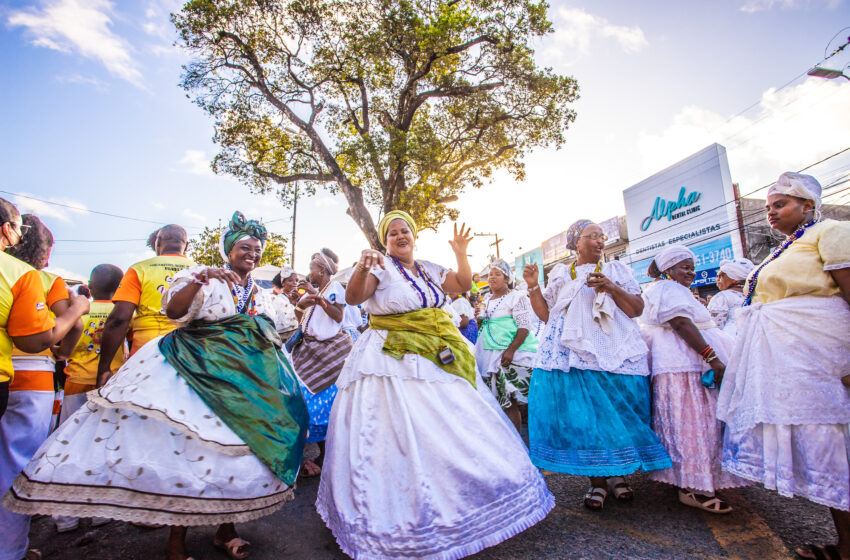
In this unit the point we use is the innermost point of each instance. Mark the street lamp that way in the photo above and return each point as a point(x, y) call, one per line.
point(827, 73)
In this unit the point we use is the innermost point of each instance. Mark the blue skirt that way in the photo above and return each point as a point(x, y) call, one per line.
point(592, 423)
point(470, 331)
point(319, 408)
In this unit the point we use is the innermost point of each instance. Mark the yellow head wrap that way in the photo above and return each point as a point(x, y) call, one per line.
point(384, 224)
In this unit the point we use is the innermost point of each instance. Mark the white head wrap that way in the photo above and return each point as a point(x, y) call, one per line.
point(799, 185)
point(502, 267)
point(671, 256)
point(737, 269)
point(285, 272)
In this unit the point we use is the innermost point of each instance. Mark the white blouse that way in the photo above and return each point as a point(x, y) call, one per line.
point(573, 338)
point(214, 300)
point(317, 322)
point(722, 307)
point(669, 353)
point(395, 294)
point(513, 304)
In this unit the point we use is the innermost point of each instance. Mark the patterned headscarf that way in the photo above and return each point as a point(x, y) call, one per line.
point(324, 261)
point(799, 185)
point(238, 229)
point(384, 224)
point(575, 232)
point(502, 267)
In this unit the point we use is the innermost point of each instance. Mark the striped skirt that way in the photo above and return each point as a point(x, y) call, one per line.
point(318, 362)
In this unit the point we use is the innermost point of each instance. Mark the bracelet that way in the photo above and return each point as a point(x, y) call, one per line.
point(710, 358)
point(534, 289)
point(706, 351)
point(196, 281)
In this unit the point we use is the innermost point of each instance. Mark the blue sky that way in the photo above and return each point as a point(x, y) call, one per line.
point(92, 116)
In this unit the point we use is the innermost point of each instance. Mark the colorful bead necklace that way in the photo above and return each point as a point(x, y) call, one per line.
point(243, 295)
point(795, 235)
point(439, 300)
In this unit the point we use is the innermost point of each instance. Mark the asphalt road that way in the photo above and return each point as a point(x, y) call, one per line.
point(655, 525)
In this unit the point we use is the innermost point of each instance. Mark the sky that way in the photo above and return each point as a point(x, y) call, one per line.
point(92, 117)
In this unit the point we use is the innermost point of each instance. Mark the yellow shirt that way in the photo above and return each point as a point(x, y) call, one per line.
point(143, 285)
point(23, 308)
point(82, 363)
point(803, 268)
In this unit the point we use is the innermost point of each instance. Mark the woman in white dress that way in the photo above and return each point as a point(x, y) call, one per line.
point(505, 349)
point(785, 398)
point(205, 426)
point(730, 281)
point(421, 462)
point(684, 343)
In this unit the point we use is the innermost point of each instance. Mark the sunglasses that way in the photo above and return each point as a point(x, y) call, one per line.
point(595, 237)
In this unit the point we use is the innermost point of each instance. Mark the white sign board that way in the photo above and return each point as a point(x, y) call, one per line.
point(690, 203)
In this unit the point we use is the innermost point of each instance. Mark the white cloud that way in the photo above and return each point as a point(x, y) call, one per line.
point(66, 274)
point(196, 162)
point(790, 128)
point(82, 27)
point(577, 29)
point(201, 219)
point(752, 6)
point(158, 205)
point(79, 79)
point(46, 210)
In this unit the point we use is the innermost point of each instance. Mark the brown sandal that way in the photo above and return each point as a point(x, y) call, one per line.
point(621, 490)
point(233, 546)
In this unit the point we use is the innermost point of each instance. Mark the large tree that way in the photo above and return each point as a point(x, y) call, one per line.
point(393, 103)
point(203, 248)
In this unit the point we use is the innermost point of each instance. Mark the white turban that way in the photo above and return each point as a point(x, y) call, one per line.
point(737, 269)
point(671, 256)
point(799, 185)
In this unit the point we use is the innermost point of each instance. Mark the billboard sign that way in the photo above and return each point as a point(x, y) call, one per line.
point(533, 256)
point(555, 248)
point(611, 228)
point(690, 203)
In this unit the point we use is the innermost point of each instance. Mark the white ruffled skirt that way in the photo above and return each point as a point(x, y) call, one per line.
point(419, 464)
point(145, 448)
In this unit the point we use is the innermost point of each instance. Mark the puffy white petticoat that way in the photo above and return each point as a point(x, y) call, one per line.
point(145, 448)
point(787, 413)
point(420, 464)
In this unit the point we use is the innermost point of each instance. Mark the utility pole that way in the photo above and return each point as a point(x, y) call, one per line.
point(496, 243)
point(294, 214)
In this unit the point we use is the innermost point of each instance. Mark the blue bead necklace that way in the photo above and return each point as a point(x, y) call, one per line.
point(242, 295)
point(753, 280)
point(439, 300)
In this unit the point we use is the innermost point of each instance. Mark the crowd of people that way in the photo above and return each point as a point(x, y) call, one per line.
point(186, 394)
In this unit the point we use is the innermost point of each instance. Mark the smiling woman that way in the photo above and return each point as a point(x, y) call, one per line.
point(202, 395)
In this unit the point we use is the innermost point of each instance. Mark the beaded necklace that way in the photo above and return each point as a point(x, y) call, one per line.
point(242, 295)
point(487, 313)
point(573, 269)
point(795, 235)
point(428, 282)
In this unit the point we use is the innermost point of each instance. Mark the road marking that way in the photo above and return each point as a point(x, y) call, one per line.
point(746, 535)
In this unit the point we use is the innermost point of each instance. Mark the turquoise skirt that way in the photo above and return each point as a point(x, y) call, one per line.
point(592, 423)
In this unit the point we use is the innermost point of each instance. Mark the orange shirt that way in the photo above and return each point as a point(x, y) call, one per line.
point(34, 372)
point(143, 285)
point(23, 308)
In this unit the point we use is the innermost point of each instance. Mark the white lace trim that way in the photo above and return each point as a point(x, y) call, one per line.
point(31, 497)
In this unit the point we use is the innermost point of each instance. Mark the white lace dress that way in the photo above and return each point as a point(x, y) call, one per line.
point(723, 307)
point(419, 463)
point(145, 448)
point(511, 382)
point(683, 410)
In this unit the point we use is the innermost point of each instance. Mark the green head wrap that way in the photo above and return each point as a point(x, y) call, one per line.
point(240, 228)
point(384, 224)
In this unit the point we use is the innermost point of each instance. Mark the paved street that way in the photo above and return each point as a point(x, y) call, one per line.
point(655, 525)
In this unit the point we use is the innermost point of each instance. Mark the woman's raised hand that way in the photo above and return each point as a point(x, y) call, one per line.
point(461, 239)
point(370, 258)
point(531, 275)
point(222, 274)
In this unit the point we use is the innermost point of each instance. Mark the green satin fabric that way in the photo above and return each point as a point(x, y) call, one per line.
point(247, 382)
point(499, 333)
point(424, 332)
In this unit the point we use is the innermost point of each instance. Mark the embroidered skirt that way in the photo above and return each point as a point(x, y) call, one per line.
point(592, 423)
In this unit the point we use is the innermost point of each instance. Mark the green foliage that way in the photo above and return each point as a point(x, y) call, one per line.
point(203, 248)
point(394, 103)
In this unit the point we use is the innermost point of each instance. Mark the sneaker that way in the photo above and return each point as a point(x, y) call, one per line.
point(66, 524)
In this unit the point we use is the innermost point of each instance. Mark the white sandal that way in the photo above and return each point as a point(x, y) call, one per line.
point(712, 505)
point(595, 498)
point(621, 489)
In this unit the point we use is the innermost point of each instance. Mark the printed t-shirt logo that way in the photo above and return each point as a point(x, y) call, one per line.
point(39, 306)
